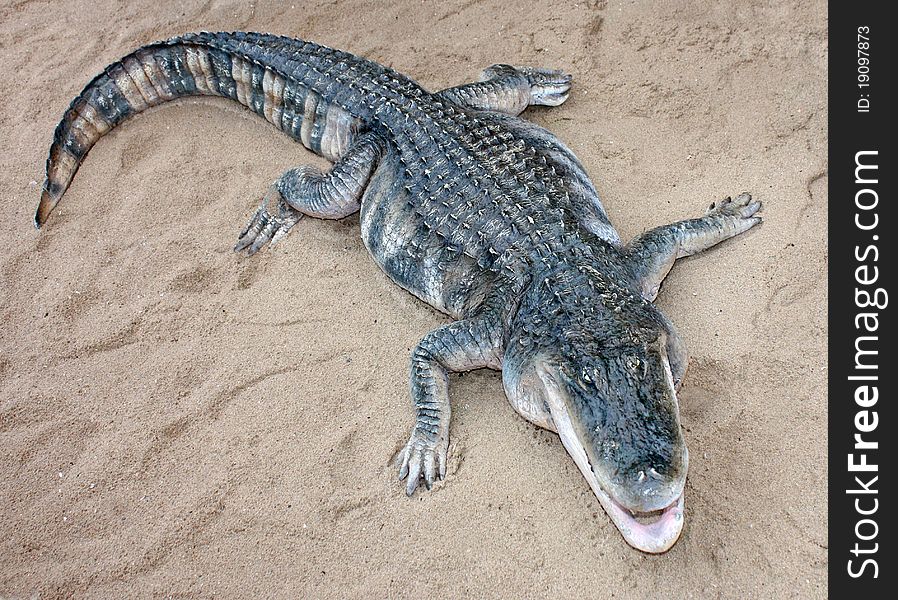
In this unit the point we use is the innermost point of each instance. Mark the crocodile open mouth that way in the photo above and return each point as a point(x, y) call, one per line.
point(653, 532)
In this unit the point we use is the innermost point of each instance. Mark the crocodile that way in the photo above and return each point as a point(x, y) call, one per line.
point(484, 216)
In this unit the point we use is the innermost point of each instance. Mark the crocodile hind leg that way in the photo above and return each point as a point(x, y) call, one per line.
point(307, 191)
point(653, 253)
point(472, 343)
point(510, 90)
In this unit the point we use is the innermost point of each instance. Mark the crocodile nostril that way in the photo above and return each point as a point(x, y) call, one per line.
point(646, 488)
point(647, 477)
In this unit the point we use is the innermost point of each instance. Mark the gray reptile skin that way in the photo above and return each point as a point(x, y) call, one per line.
point(480, 214)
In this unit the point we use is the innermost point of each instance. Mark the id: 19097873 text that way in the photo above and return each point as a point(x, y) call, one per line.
point(863, 69)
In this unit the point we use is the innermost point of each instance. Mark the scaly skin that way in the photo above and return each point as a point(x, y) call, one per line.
point(482, 215)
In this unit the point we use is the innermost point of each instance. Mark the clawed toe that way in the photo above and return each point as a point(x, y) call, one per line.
point(719, 204)
point(749, 210)
point(255, 225)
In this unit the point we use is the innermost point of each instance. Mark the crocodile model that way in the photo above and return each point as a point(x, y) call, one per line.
point(480, 214)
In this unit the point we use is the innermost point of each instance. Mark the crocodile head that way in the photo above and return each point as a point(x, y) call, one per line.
point(591, 361)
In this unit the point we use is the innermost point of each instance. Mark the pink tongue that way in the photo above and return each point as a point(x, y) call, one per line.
point(653, 537)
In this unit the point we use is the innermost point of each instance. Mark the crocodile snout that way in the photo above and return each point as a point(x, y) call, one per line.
point(648, 489)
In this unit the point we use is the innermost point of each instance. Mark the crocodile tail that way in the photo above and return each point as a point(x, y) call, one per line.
point(241, 66)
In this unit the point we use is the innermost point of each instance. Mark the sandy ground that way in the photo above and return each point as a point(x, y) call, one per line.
point(179, 419)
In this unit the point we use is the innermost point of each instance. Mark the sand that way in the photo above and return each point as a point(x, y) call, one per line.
point(177, 419)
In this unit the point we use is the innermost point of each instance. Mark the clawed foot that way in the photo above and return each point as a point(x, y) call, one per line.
point(548, 87)
point(741, 211)
point(423, 456)
point(270, 223)
point(742, 207)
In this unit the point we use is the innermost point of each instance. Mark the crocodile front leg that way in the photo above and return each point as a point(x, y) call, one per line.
point(510, 90)
point(653, 253)
point(472, 343)
point(307, 191)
